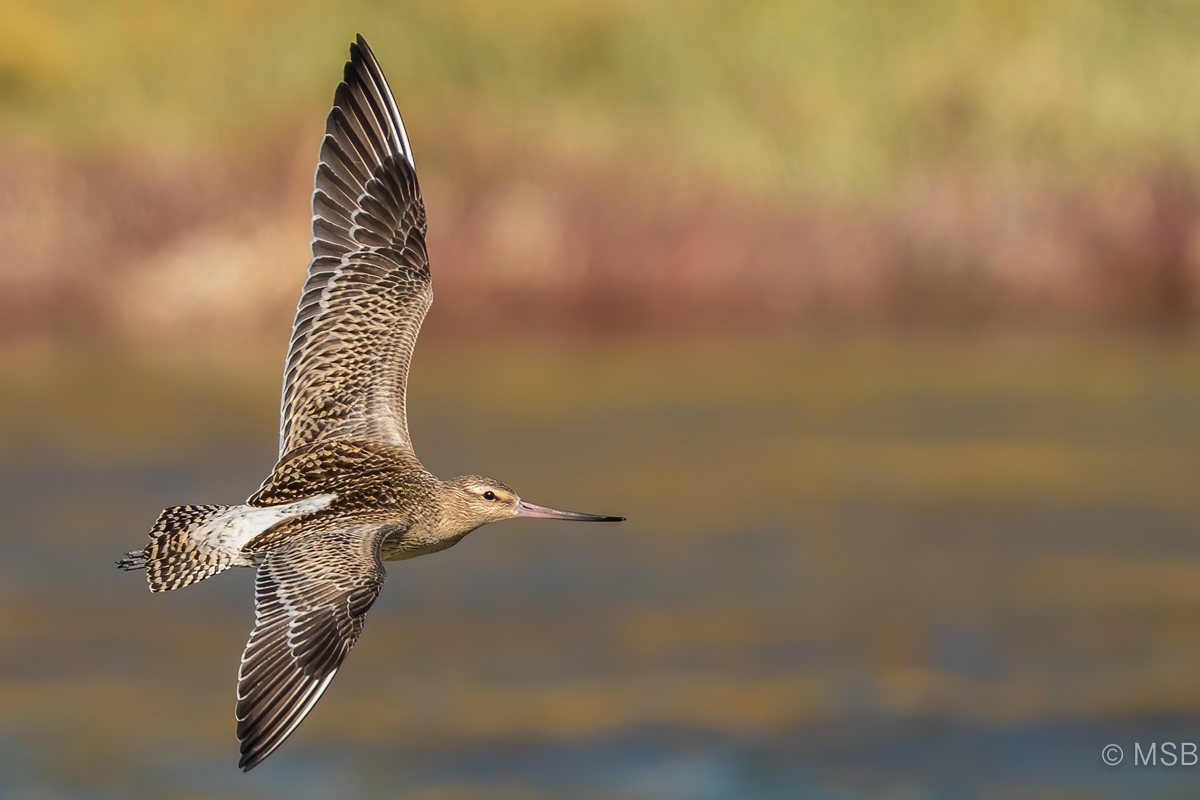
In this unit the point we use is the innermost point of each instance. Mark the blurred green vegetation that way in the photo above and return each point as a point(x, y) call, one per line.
point(838, 97)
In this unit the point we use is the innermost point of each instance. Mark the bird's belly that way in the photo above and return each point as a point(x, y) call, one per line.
point(409, 544)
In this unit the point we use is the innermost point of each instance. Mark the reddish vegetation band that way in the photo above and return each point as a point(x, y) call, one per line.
point(117, 247)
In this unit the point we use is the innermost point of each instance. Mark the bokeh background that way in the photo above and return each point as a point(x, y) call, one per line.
point(878, 321)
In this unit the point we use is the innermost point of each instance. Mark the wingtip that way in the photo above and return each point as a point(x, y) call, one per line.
point(359, 49)
point(363, 69)
point(255, 750)
point(255, 756)
point(360, 52)
point(264, 736)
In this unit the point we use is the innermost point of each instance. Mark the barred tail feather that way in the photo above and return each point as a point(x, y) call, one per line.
point(191, 543)
point(175, 558)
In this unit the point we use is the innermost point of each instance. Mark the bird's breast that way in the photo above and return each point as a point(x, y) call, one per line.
point(412, 542)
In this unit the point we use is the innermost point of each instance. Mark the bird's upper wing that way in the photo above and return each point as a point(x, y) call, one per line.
point(311, 596)
point(368, 285)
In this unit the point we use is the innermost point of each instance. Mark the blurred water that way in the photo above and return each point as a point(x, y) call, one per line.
point(853, 572)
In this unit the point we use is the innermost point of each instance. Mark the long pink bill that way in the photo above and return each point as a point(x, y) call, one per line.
point(530, 510)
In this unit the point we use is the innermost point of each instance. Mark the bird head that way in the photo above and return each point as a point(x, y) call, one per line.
point(475, 500)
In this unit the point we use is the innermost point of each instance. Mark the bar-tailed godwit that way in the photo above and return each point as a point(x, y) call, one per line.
point(347, 492)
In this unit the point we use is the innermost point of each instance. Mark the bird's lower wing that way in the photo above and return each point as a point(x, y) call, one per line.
point(311, 598)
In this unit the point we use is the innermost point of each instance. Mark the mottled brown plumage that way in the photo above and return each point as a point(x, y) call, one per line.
point(347, 492)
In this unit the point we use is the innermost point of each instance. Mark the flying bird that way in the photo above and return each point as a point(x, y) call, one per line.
point(347, 492)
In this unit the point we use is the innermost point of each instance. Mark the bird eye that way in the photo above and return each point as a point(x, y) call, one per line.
point(489, 495)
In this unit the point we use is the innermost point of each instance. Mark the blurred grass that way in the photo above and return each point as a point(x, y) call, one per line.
point(841, 98)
